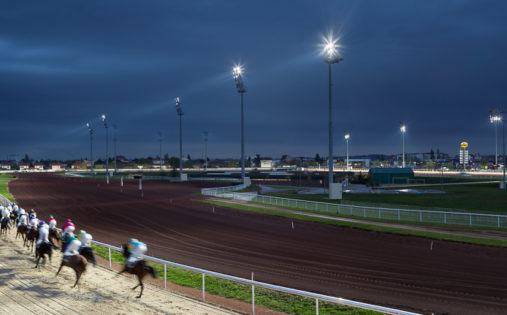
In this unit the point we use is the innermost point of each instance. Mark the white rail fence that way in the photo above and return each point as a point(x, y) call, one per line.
point(409, 215)
point(317, 297)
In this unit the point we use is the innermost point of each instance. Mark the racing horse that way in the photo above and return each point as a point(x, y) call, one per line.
point(4, 225)
point(41, 252)
point(140, 269)
point(31, 236)
point(77, 263)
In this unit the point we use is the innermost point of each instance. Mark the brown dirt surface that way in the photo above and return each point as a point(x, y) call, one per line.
point(396, 271)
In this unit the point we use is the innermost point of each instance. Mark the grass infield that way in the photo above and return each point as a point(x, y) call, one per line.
point(291, 304)
point(4, 180)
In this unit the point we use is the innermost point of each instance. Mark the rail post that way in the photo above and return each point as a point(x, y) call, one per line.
point(470, 219)
point(109, 249)
point(317, 306)
point(498, 221)
point(445, 218)
point(203, 288)
point(364, 212)
point(420, 216)
point(399, 214)
point(253, 296)
point(165, 276)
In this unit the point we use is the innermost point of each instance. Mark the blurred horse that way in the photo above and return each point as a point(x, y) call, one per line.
point(4, 225)
point(140, 269)
point(77, 263)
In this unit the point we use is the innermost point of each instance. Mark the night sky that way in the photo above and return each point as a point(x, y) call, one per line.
point(438, 65)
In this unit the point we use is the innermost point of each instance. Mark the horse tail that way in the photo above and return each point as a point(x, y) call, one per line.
point(150, 270)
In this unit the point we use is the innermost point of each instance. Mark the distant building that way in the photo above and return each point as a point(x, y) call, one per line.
point(24, 166)
point(267, 163)
point(39, 166)
point(5, 166)
point(382, 176)
point(57, 167)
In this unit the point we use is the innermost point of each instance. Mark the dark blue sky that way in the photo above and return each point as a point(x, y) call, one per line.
point(438, 65)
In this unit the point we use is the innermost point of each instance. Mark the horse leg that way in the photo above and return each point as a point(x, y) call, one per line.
point(142, 288)
point(78, 275)
point(61, 265)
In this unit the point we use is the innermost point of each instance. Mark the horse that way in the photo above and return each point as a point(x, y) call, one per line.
point(41, 251)
point(76, 262)
point(87, 252)
point(140, 269)
point(22, 229)
point(4, 226)
point(55, 237)
point(31, 236)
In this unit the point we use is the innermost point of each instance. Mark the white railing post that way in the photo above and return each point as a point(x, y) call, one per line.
point(498, 221)
point(420, 216)
point(253, 296)
point(203, 288)
point(317, 306)
point(399, 214)
point(364, 212)
point(109, 258)
point(470, 219)
point(165, 276)
point(445, 218)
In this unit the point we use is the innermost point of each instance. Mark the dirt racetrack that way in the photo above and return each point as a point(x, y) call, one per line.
point(396, 271)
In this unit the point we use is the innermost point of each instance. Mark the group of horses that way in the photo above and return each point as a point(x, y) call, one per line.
point(77, 262)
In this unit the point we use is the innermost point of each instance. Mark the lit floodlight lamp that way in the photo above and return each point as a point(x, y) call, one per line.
point(403, 128)
point(331, 49)
point(347, 135)
point(103, 117)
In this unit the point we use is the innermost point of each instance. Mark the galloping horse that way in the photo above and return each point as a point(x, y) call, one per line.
point(31, 236)
point(4, 225)
point(41, 252)
point(76, 262)
point(55, 237)
point(87, 252)
point(140, 269)
point(22, 229)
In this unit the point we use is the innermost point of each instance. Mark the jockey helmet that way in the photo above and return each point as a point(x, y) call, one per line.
point(22, 211)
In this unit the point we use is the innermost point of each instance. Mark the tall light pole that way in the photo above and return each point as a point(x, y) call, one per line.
point(330, 48)
point(205, 150)
point(107, 146)
point(160, 149)
point(495, 118)
point(179, 112)
point(115, 139)
point(91, 147)
point(347, 138)
point(403, 129)
point(237, 72)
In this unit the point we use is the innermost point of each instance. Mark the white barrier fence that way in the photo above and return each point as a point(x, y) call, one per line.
point(317, 297)
point(409, 215)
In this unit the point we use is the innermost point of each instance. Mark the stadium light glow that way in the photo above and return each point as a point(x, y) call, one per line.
point(347, 137)
point(91, 146)
point(237, 73)
point(495, 117)
point(179, 112)
point(403, 129)
point(107, 146)
point(330, 50)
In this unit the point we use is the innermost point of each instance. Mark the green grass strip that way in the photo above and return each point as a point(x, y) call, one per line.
point(4, 180)
point(278, 301)
point(365, 226)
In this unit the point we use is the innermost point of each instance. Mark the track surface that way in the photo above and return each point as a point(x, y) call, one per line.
point(390, 270)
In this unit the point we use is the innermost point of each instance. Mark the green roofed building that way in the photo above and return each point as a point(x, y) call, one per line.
point(382, 176)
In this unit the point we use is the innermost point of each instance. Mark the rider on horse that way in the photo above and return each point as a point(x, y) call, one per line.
point(72, 246)
point(86, 239)
point(22, 218)
point(52, 222)
point(34, 222)
point(136, 250)
point(43, 235)
point(5, 213)
point(68, 233)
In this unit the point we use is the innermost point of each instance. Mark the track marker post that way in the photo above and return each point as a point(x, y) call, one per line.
point(203, 288)
point(292, 223)
point(165, 276)
point(110, 266)
point(121, 181)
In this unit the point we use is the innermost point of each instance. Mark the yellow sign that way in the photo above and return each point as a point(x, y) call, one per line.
point(464, 145)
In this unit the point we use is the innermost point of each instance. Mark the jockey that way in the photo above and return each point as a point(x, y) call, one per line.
point(86, 239)
point(68, 235)
point(67, 224)
point(15, 207)
point(34, 222)
point(43, 234)
point(52, 222)
point(22, 218)
point(72, 247)
point(5, 213)
point(136, 250)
